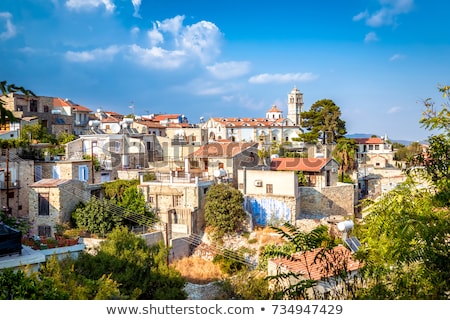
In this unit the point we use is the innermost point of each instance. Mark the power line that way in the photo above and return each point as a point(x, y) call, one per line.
point(193, 239)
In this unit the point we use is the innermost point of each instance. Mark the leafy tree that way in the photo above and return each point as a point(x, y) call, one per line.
point(7, 89)
point(97, 216)
point(135, 207)
point(126, 195)
point(407, 239)
point(37, 132)
point(140, 270)
point(322, 122)
point(407, 153)
point(407, 230)
point(224, 211)
point(344, 153)
point(65, 137)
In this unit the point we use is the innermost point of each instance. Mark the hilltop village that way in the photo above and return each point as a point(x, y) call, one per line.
point(261, 157)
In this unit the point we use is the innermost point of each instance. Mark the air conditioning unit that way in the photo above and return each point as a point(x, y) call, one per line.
point(258, 183)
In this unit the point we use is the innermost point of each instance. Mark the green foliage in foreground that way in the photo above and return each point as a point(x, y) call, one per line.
point(124, 267)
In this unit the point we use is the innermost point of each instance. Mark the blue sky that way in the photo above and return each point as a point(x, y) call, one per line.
point(376, 59)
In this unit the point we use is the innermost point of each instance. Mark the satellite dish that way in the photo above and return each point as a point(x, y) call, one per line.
point(115, 128)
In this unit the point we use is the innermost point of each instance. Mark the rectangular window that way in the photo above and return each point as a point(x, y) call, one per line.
point(37, 173)
point(44, 204)
point(44, 231)
point(370, 146)
point(33, 106)
point(151, 199)
point(177, 201)
point(45, 108)
point(377, 147)
point(56, 172)
point(83, 173)
point(269, 188)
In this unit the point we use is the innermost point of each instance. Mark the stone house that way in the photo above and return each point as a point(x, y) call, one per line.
point(15, 176)
point(322, 196)
point(51, 202)
point(222, 160)
point(177, 201)
point(320, 265)
point(374, 151)
point(121, 151)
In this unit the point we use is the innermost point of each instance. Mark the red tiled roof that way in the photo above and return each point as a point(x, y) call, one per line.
point(162, 117)
point(274, 109)
point(371, 140)
point(222, 149)
point(58, 102)
point(150, 124)
point(110, 120)
point(250, 122)
point(313, 264)
point(77, 107)
point(298, 164)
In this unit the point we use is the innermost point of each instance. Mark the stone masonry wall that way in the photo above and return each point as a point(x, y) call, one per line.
point(329, 201)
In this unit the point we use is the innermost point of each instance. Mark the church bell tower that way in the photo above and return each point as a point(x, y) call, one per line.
point(295, 106)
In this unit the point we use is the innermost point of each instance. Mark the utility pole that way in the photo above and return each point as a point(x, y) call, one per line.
point(7, 179)
point(92, 162)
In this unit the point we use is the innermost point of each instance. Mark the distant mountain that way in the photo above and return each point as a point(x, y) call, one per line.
point(359, 135)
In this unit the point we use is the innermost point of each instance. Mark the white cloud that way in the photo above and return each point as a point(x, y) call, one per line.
point(231, 69)
point(136, 5)
point(370, 37)
point(170, 40)
point(394, 110)
point(90, 4)
point(135, 31)
point(157, 57)
point(282, 78)
point(361, 16)
point(93, 55)
point(387, 14)
point(155, 36)
point(202, 40)
point(10, 29)
point(172, 25)
point(397, 56)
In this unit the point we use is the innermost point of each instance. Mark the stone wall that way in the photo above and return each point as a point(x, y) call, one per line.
point(329, 201)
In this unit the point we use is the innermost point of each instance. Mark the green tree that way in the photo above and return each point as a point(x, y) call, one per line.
point(126, 195)
point(323, 121)
point(98, 216)
point(140, 270)
point(6, 90)
point(35, 132)
point(436, 160)
point(344, 153)
point(224, 211)
point(407, 230)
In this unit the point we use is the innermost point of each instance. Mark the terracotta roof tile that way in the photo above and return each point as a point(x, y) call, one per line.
point(313, 264)
point(371, 140)
point(298, 164)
